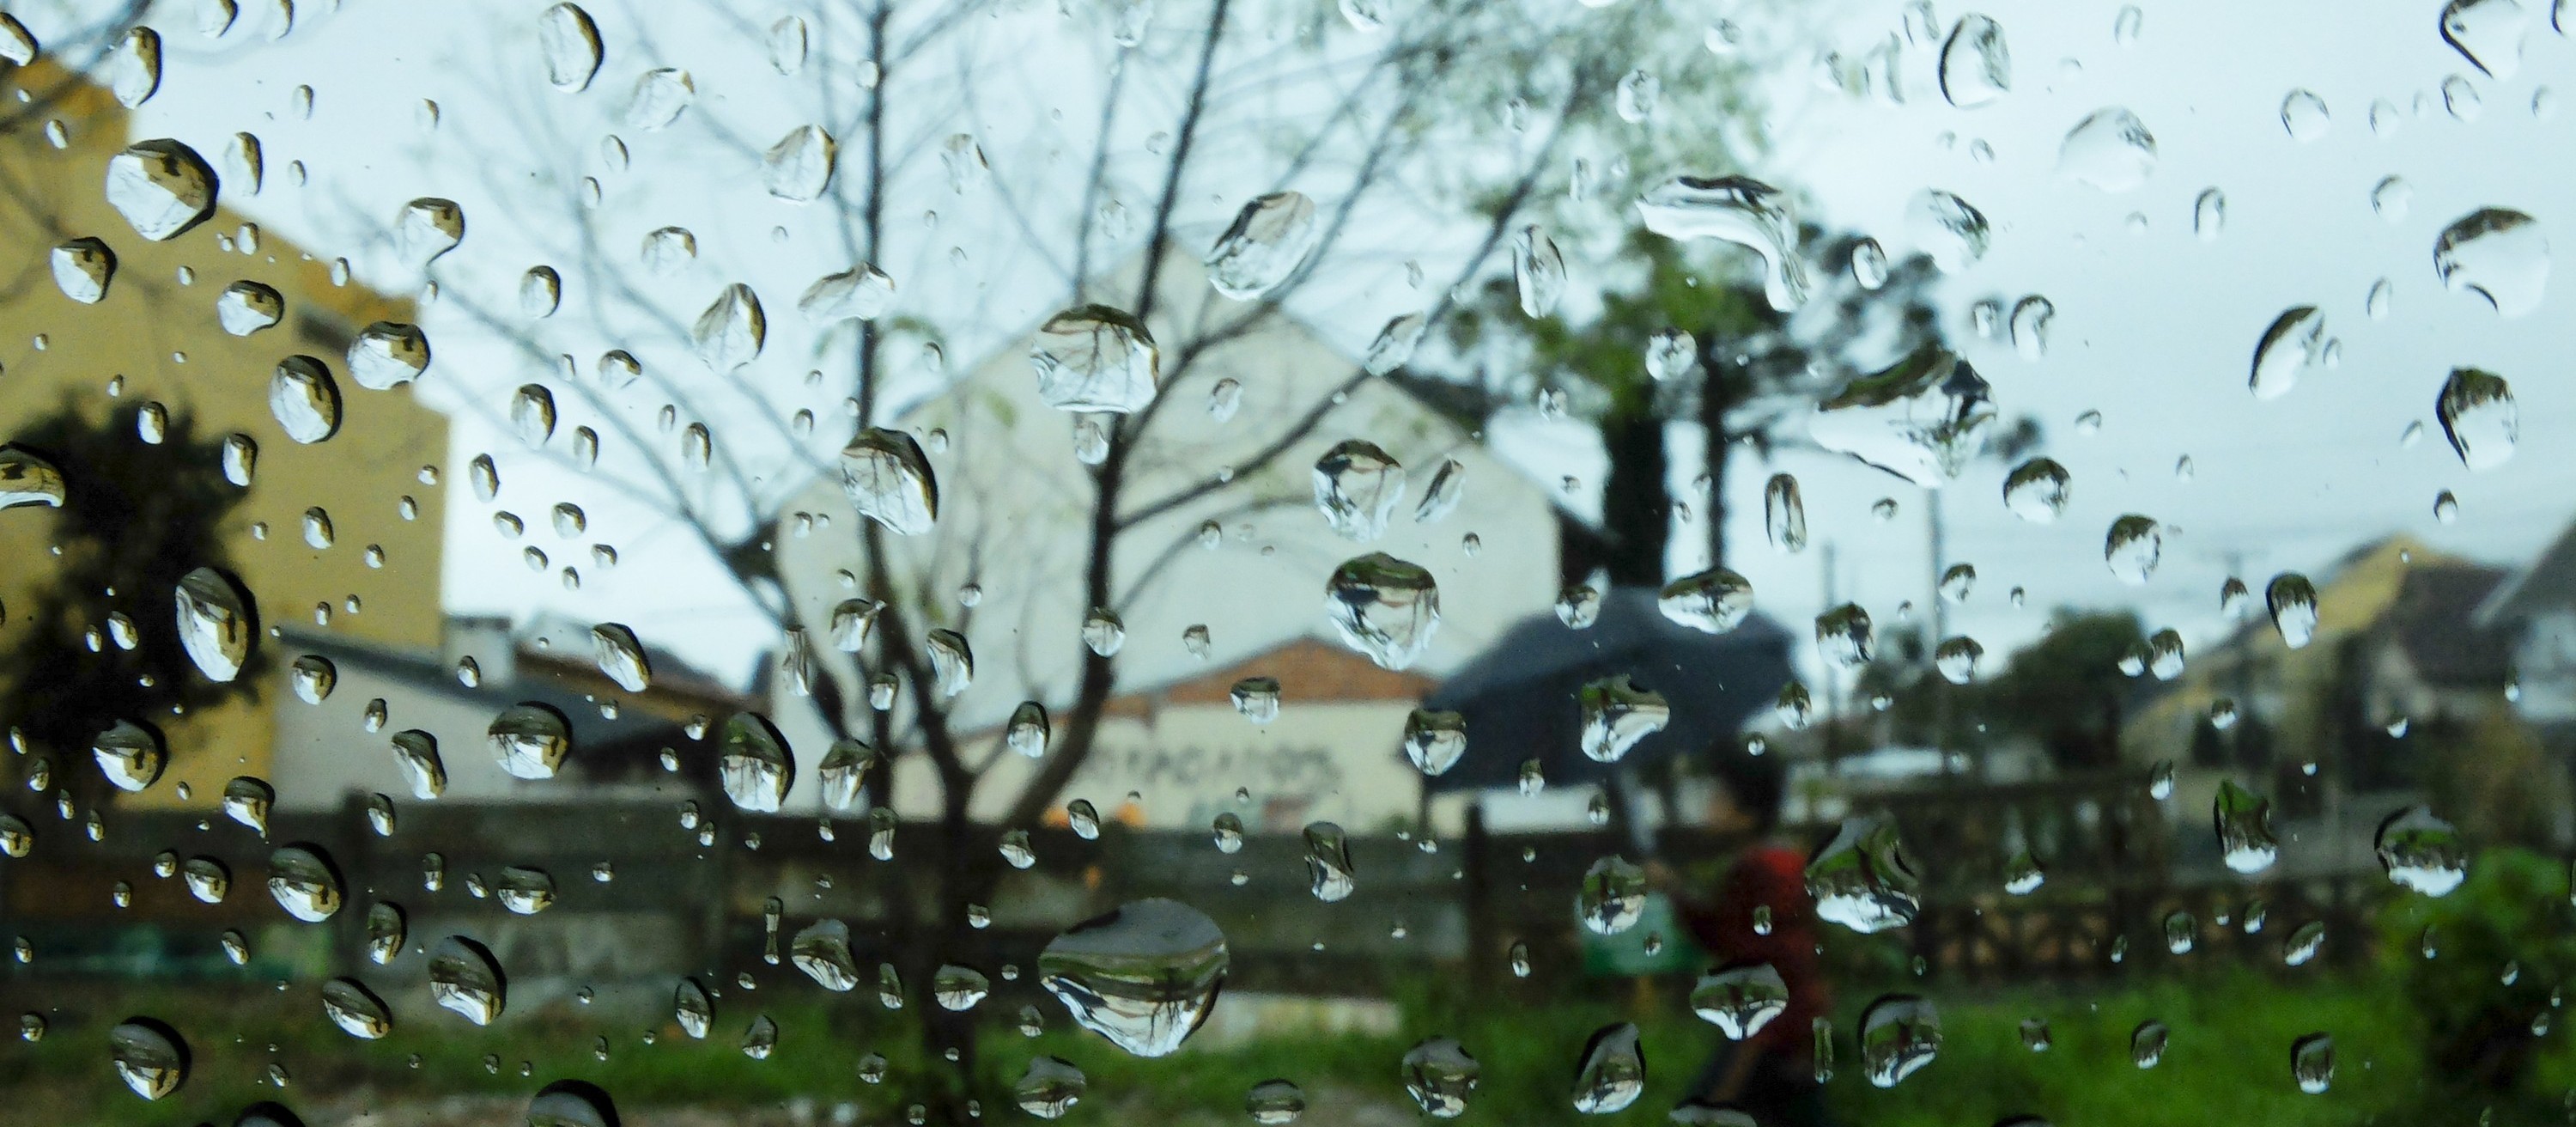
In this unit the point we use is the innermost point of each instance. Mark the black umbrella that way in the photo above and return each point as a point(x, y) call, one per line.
point(1519, 697)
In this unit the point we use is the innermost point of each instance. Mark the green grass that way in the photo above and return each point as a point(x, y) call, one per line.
point(2227, 1060)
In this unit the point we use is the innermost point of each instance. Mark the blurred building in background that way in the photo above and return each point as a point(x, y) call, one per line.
point(340, 537)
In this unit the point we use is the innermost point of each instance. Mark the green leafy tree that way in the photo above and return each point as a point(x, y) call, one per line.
point(2067, 691)
point(2480, 1040)
point(136, 517)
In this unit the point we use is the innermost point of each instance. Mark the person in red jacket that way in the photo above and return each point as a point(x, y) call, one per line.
point(1758, 913)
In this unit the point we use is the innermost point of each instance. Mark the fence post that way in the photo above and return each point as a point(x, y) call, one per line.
point(1479, 901)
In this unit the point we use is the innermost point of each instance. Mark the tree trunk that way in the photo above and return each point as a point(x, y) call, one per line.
point(1636, 505)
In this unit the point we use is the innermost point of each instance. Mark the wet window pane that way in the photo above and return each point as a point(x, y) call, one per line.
point(857, 561)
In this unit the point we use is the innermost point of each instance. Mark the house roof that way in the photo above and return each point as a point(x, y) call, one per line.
point(2434, 621)
point(2549, 580)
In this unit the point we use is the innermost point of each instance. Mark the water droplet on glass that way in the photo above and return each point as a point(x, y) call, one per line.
point(569, 40)
point(1094, 358)
point(130, 755)
point(2304, 115)
point(161, 187)
point(133, 67)
point(1328, 862)
point(1976, 66)
point(1434, 741)
point(1921, 419)
point(2110, 149)
point(1861, 880)
point(2036, 490)
point(150, 1057)
point(798, 168)
point(1616, 715)
point(2422, 852)
point(304, 399)
point(861, 292)
point(2477, 413)
point(1613, 1072)
point(356, 1010)
point(1358, 486)
point(216, 621)
point(1439, 1075)
point(2244, 823)
point(2293, 603)
point(1611, 897)
point(888, 479)
point(2497, 254)
point(2291, 344)
point(1713, 601)
point(83, 268)
point(1739, 210)
point(247, 800)
point(1384, 607)
point(732, 329)
point(1899, 1034)
point(1269, 240)
point(1145, 975)
point(1538, 270)
point(464, 978)
point(2133, 547)
point(530, 740)
point(1844, 637)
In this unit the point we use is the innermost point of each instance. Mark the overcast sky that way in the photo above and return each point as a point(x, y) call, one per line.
point(2154, 328)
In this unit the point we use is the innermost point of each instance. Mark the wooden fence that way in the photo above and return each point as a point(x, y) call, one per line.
point(671, 905)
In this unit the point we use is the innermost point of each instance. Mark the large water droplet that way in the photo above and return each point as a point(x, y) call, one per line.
point(1439, 1075)
point(465, 979)
point(2312, 1063)
point(755, 764)
point(1093, 358)
point(2304, 115)
point(1357, 486)
point(216, 622)
point(2244, 824)
point(247, 800)
point(1613, 1072)
point(416, 754)
point(388, 353)
point(2295, 340)
point(304, 399)
point(246, 307)
point(2036, 490)
point(1440, 498)
point(861, 292)
point(843, 774)
point(132, 68)
point(661, 95)
point(1384, 607)
point(798, 168)
point(1740, 1000)
point(2293, 603)
point(1395, 343)
point(2423, 852)
point(1329, 873)
point(2110, 149)
point(1713, 601)
point(1611, 897)
point(732, 329)
point(2497, 254)
point(149, 1056)
point(1899, 1034)
point(888, 479)
point(2488, 33)
point(569, 40)
point(1617, 715)
point(2133, 547)
point(83, 268)
point(302, 879)
point(1844, 637)
point(530, 740)
point(1784, 514)
point(2477, 414)
point(1739, 210)
point(1269, 240)
point(1976, 65)
point(356, 1010)
point(428, 228)
point(161, 187)
point(1921, 419)
point(1049, 1087)
point(1860, 879)
point(130, 755)
point(822, 951)
point(1145, 975)
point(1538, 271)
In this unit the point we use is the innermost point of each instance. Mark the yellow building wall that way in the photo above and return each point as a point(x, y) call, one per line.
point(149, 320)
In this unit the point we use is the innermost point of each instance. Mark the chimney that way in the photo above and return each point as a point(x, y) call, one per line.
point(486, 639)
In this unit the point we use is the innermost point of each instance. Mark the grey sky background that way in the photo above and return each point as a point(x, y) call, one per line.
point(2154, 326)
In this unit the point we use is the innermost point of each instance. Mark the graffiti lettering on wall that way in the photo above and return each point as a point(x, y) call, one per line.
point(1308, 770)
